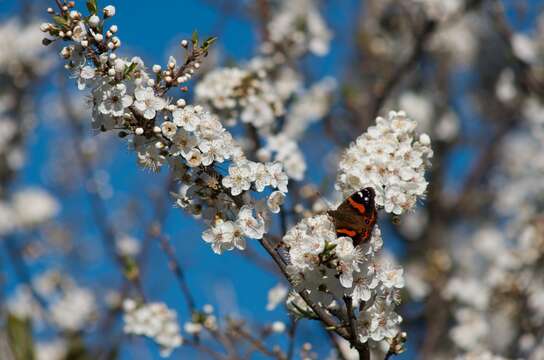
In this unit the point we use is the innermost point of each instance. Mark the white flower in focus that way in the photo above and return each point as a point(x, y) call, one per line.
point(251, 227)
point(114, 100)
point(147, 102)
point(307, 241)
point(193, 157)
point(186, 118)
point(363, 287)
point(183, 142)
point(168, 129)
point(224, 236)
point(262, 176)
point(388, 158)
point(384, 325)
point(391, 277)
point(275, 200)
point(155, 321)
point(349, 259)
point(239, 178)
point(79, 32)
point(86, 75)
point(278, 178)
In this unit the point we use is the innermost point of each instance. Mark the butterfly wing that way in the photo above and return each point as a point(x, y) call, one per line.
point(355, 218)
point(346, 220)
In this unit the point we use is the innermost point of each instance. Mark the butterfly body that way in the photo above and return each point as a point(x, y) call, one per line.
point(356, 216)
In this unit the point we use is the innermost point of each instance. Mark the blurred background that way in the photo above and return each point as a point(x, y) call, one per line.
point(470, 72)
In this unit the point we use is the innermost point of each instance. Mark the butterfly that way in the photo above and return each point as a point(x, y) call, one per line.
point(356, 216)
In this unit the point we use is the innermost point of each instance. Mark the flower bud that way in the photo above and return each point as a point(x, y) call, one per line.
point(94, 20)
point(109, 11)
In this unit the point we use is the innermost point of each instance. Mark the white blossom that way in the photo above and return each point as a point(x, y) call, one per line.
point(153, 320)
point(251, 227)
point(275, 200)
point(224, 236)
point(147, 102)
point(239, 178)
point(114, 100)
point(74, 309)
point(390, 159)
point(34, 206)
point(276, 295)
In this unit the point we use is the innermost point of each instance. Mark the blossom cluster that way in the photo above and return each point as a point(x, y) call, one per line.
point(299, 24)
point(26, 208)
point(500, 266)
point(191, 140)
point(234, 93)
point(332, 268)
point(268, 87)
point(27, 59)
point(153, 320)
point(70, 306)
point(389, 158)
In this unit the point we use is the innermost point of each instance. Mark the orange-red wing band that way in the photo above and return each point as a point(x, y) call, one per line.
point(359, 207)
point(347, 232)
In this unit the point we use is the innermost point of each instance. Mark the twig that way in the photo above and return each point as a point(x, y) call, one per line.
point(362, 349)
point(174, 265)
point(256, 343)
point(292, 337)
point(327, 319)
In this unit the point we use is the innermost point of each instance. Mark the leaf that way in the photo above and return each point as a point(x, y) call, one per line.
point(208, 42)
point(195, 38)
point(60, 21)
point(92, 6)
point(129, 69)
point(19, 333)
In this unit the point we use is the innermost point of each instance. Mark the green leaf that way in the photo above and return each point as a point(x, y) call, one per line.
point(129, 69)
point(195, 38)
point(208, 42)
point(92, 6)
point(19, 333)
point(60, 21)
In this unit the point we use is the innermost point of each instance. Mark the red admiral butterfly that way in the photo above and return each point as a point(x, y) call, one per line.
point(356, 216)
